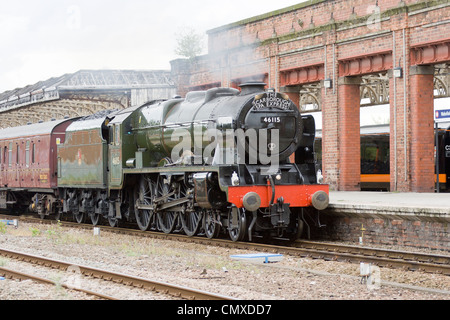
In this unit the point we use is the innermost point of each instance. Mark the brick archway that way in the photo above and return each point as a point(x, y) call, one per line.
point(349, 103)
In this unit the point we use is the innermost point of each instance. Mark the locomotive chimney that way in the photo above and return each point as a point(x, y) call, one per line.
point(252, 87)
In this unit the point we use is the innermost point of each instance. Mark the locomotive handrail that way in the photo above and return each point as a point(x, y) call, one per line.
point(277, 110)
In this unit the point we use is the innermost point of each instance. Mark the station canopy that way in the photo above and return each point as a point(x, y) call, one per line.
point(83, 93)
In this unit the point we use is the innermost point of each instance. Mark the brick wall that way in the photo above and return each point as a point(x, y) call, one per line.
point(357, 35)
point(408, 233)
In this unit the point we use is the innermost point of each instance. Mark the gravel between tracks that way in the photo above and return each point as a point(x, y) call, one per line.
point(205, 268)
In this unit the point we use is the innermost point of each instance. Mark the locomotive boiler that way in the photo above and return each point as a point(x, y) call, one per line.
point(221, 113)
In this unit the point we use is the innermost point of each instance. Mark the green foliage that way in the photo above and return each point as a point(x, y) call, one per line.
point(35, 232)
point(2, 227)
point(189, 43)
point(55, 231)
point(3, 262)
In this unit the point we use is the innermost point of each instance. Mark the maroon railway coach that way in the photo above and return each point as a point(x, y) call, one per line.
point(28, 166)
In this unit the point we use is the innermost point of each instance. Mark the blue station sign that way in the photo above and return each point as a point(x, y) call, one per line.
point(442, 114)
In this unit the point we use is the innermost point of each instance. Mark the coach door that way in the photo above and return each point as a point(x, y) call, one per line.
point(2, 164)
point(18, 166)
point(5, 166)
point(9, 172)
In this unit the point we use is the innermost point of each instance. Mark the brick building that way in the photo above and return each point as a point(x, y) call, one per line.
point(330, 54)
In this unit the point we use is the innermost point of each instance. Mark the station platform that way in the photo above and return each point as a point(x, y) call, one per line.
point(431, 207)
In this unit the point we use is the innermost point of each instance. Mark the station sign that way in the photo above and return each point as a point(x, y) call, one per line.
point(442, 115)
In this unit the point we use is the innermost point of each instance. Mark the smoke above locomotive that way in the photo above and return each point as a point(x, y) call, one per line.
point(222, 126)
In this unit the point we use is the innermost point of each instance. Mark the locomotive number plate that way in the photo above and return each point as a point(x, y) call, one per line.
point(272, 119)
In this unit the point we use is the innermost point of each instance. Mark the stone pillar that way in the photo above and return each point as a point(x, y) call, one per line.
point(422, 128)
point(349, 134)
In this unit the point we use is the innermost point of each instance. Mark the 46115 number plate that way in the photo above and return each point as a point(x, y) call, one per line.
point(271, 119)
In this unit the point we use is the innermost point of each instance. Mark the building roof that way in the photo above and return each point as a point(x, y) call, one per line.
point(85, 80)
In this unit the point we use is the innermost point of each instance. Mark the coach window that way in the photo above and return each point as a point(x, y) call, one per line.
point(33, 153)
point(17, 155)
point(10, 155)
point(27, 154)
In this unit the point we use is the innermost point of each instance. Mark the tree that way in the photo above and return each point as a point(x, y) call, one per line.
point(189, 43)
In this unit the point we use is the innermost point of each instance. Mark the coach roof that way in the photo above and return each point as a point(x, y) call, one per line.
point(35, 129)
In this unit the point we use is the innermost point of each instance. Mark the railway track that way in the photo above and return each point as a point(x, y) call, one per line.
point(178, 292)
point(14, 274)
point(412, 261)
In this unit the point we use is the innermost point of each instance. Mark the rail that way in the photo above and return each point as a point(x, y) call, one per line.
point(413, 261)
point(166, 288)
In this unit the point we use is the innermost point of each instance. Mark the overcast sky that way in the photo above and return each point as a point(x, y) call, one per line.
point(48, 38)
